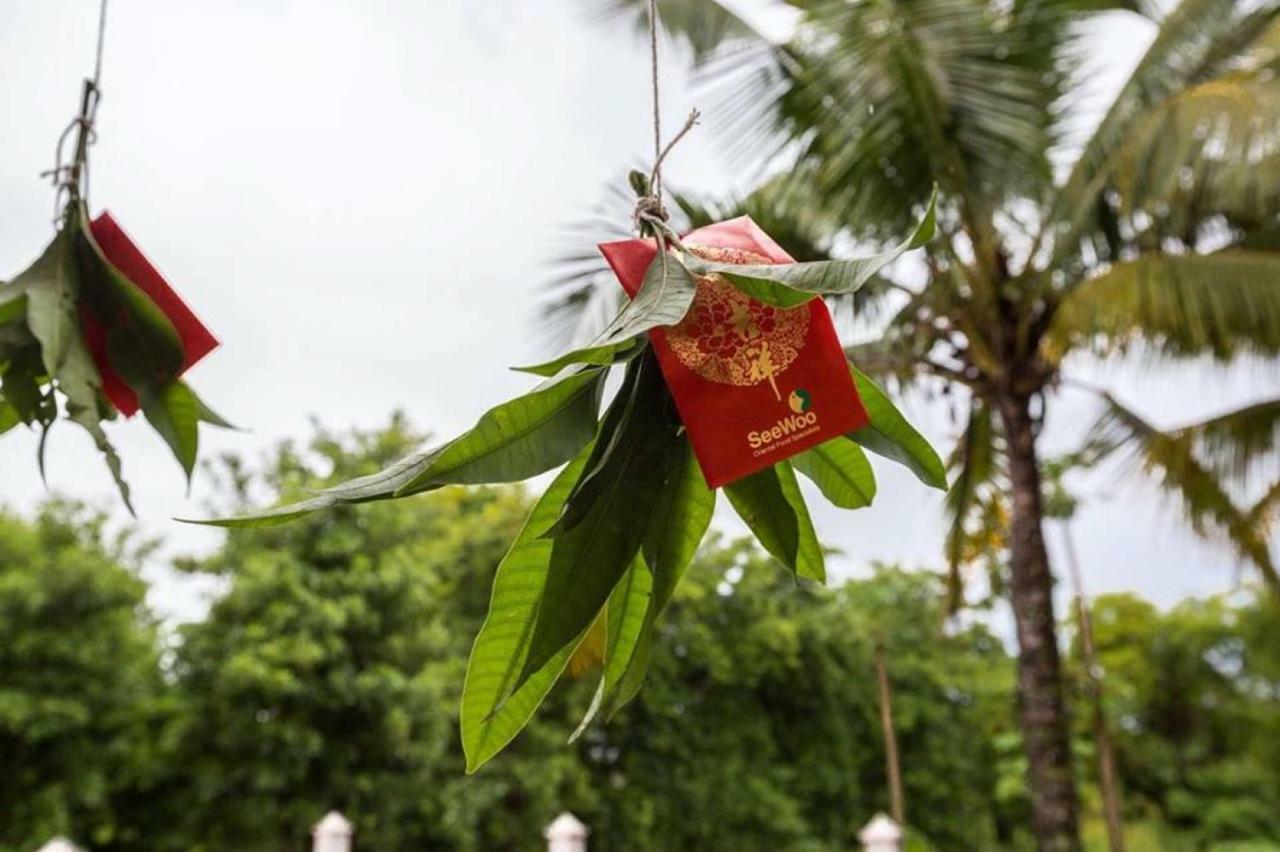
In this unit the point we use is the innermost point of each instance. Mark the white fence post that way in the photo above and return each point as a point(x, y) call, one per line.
point(882, 834)
point(59, 844)
point(566, 834)
point(332, 834)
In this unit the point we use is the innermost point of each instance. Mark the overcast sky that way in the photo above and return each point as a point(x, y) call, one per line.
point(360, 199)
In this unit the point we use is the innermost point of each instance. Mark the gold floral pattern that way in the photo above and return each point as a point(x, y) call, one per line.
point(730, 338)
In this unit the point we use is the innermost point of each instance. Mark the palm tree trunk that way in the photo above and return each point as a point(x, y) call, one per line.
point(1042, 711)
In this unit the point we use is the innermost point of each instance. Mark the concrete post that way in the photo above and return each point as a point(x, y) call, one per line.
point(566, 834)
point(882, 834)
point(332, 834)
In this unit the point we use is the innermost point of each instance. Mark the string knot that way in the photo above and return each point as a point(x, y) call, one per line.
point(648, 208)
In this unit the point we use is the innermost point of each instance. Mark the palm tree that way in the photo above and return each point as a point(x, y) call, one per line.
point(1158, 236)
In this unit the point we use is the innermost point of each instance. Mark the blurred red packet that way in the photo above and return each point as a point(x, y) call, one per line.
point(754, 384)
point(197, 341)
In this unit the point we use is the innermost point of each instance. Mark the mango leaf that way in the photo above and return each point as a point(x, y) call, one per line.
point(890, 435)
point(841, 471)
point(624, 622)
point(588, 560)
point(175, 414)
point(595, 478)
point(677, 525)
point(208, 415)
point(676, 528)
point(8, 416)
point(80, 383)
point(787, 285)
point(488, 721)
point(142, 344)
point(20, 381)
point(664, 298)
point(52, 287)
point(13, 303)
point(521, 438)
point(771, 505)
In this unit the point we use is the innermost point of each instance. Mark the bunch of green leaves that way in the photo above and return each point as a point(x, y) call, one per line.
point(44, 355)
point(605, 546)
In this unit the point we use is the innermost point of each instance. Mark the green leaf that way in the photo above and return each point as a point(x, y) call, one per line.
point(1220, 304)
point(8, 416)
point(51, 286)
point(20, 381)
point(502, 644)
point(787, 285)
point(80, 383)
point(625, 622)
point(142, 344)
point(521, 438)
point(771, 505)
point(175, 414)
point(663, 300)
point(208, 415)
point(676, 528)
point(679, 521)
point(974, 459)
point(608, 440)
point(841, 471)
point(13, 303)
point(1206, 503)
point(890, 435)
point(588, 560)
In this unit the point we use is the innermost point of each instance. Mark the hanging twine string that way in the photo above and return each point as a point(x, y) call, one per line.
point(650, 214)
point(71, 179)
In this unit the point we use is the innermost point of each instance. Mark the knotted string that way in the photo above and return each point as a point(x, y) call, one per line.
point(650, 214)
point(71, 179)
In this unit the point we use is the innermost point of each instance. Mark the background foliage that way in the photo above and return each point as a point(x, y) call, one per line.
point(326, 675)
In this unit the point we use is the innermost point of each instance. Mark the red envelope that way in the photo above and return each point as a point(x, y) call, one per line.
point(197, 340)
point(754, 384)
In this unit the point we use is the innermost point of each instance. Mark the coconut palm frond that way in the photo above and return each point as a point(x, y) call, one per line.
point(1221, 304)
point(975, 469)
point(1211, 150)
point(1190, 47)
point(1121, 434)
point(886, 99)
point(1264, 513)
point(705, 26)
point(1235, 445)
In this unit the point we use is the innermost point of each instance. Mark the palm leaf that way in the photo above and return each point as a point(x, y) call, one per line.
point(705, 26)
point(1120, 433)
point(1221, 304)
point(886, 99)
point(974, 462)
point(1240, 444)
point(1189, 48)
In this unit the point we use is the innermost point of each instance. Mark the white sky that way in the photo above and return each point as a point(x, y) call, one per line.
point(360, 198)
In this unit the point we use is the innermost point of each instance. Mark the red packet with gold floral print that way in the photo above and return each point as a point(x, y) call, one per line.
point(754, 384)
point(124, 254)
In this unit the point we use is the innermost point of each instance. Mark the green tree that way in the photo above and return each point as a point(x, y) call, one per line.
point(1160, 236)
point(327, 675)
point(1192, 693)
point(85, 721)
point(759, 728)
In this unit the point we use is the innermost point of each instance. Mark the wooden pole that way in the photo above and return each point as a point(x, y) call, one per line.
point(1107, 783)
point(890, 739)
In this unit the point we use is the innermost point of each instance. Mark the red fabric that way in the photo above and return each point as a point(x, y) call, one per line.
point(739, 424)
point(124, 255)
